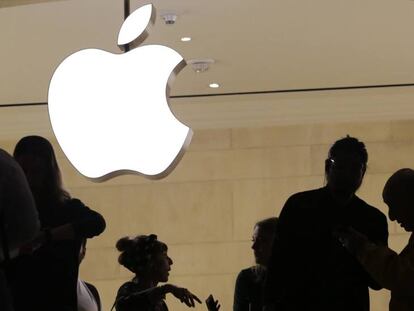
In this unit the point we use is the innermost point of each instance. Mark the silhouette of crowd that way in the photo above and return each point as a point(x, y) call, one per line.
point(324, 251)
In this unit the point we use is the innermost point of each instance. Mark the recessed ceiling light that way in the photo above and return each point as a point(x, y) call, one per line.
point(186, 39)
point(214, 85)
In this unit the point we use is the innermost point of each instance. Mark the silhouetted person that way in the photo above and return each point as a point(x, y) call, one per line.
point(309, 269)
point(147, 258)
point(45, 278)
point(19, 221)
point(393, 271)
point(249, 284)
point(88, 295)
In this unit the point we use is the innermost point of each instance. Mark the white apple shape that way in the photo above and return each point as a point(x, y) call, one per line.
point(110, 113)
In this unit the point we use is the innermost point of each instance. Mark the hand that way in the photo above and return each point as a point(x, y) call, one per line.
point(212, 305)
point(351, 239)
point(183, 294)
point(33, 245)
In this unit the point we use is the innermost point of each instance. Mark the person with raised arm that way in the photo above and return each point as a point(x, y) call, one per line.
point(147, 258)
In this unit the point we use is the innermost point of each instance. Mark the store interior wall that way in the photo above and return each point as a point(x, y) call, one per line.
point(229, 179)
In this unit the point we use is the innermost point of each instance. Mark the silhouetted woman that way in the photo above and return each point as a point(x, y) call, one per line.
point(250, 281)
point(45, 277)
point(249, 284)
point(147, 258)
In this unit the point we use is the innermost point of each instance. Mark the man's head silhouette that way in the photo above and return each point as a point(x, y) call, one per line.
point(345, 166)
point(398, 194)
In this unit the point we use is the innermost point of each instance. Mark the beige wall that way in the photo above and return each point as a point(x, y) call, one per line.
point(227, 181)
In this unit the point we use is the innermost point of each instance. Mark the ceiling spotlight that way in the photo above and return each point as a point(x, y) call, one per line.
point(185, 39)
point(214, 85)
point(169, 18)
point(200, 65)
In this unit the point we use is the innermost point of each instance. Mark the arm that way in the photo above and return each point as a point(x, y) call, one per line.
point(86, 224)
point(380, 239)
point(95, 294)
point(240, 302)
point(127, 299)
point(86, 228)
point(392, 271)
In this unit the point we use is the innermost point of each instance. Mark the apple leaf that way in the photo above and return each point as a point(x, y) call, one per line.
point(135, 24)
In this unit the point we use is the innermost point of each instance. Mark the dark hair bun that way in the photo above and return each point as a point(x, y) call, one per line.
point(138, 253)
point(124, 244)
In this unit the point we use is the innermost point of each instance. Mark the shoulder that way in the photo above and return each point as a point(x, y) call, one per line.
point(370, 211)
point(371, 221)
point(12, 176)
point(126, 288)
point(306, 200)
point(74, 203)
point(245, 273)
point(307, 195)
point(246, 276)
point(10, 169)
point(6, 160)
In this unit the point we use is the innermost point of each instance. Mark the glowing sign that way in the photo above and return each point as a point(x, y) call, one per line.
point(110, 112)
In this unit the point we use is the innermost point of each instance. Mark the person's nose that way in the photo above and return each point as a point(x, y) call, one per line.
point(170, 262)
point(391, 215)
point(254, 245)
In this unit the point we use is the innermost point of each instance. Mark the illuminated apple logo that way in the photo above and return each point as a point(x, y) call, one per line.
point(110, 112)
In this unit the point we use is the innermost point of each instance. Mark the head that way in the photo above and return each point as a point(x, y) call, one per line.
point(398, 194)
point(264, 233)
point(346, 165)
point(145, 256)
point(36, 157)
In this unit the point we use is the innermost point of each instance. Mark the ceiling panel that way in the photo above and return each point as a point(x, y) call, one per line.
point(9, 3)
point(257, 46)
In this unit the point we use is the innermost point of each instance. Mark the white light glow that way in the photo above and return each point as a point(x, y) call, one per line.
point(110, 113)
point(214, 85)
point(185, 39)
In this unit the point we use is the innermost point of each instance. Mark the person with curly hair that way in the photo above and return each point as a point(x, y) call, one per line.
point(147, 258)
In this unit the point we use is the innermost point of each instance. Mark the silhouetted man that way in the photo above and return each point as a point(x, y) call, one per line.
point(393, 271)
point(309, 268)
